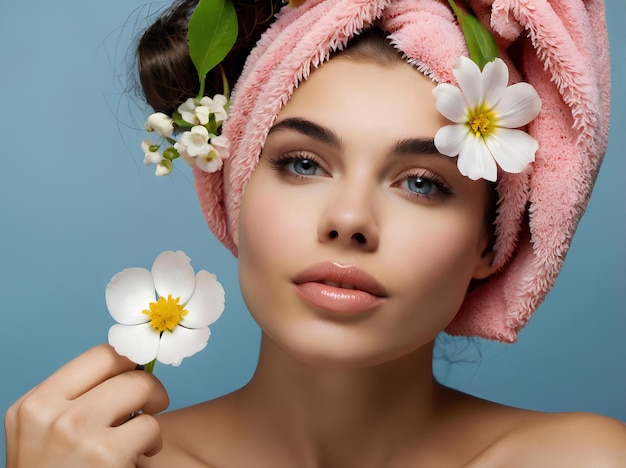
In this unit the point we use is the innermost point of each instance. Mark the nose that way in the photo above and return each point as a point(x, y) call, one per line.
point(350, 219)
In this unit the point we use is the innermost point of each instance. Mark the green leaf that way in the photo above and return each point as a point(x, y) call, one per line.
point(212, 33)
point(480, 42)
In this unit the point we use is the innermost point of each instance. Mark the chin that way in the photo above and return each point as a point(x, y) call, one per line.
point(337, 349)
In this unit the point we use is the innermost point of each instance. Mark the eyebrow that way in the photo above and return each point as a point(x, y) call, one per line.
point(414, 146)
point(406, 147)
point(308, 128)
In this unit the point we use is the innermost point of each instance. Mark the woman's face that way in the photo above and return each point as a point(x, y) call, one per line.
point(357, 241)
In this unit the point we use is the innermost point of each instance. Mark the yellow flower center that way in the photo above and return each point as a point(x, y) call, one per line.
point(482, 121)
point(165, 314)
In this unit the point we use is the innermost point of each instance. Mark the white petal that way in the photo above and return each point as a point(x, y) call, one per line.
point(181, 148)
point(220, 140)
point(200, 130)
point(162, 123)
point(188, 106)
point(495, 79)
point(164, 168)
point(202, 114)
point(450, 139)
point(219, 100)
point(174, 275)
point(450, 102)
point(181, 343)
point(512, 149)
point(519, 105)
point(209, 164)
point(207, 303)
point(220, 115)
point(128, 294)
point(152, 158)
point(469, 78)
point(145, 146)
point(139, 343)
point(476, 162)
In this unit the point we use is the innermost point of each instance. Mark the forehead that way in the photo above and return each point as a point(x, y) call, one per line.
point(392, 99)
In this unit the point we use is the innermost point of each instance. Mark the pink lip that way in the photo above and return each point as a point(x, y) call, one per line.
point(367, 293)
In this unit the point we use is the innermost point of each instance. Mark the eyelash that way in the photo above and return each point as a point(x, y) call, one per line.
point(445, 191)
point(281, 162)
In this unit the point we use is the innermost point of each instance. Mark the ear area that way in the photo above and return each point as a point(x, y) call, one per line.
point(485, 266)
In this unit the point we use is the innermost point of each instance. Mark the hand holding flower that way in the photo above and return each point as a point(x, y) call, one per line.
point(79, 415)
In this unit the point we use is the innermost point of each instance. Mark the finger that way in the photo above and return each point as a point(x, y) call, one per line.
point(116, 398)
point(86, 371)
point(11, 427)
point(14, 431)
point(145, 433)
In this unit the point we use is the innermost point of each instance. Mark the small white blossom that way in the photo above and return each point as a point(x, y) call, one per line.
point(194, 142)
point(194, 113)
point(164, 168)
point(216, 106)
point(168, 328)
point(213, 161)
point(210, 162)
point(486, 113)
point(161, 123)
point(151, 153)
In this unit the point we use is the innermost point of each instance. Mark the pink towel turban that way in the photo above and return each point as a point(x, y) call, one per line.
point(561, 49)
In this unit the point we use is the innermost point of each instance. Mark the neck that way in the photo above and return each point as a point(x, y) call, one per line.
point(341, 411)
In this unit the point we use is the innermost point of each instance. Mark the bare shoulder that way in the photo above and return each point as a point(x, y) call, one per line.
point(193, 436)
point(568, 439)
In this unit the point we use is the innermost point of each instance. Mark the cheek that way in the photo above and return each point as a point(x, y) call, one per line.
point(269, 219)
point(270, 227)
point(435, 262)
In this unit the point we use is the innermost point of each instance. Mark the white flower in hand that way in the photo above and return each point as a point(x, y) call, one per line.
point(172, 327)
point(486, 113)
point(216, 106)
point(161, 123)
point(194, 142)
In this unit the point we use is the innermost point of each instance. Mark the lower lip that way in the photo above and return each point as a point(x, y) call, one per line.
point(339, 300)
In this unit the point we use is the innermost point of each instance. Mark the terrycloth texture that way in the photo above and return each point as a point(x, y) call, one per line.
point(558, 46)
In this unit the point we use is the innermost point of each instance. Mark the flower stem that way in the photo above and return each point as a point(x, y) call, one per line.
point(201, 90)
point(225, 85)
point(149, 367)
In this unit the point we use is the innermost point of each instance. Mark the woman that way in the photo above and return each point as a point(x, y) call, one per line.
point(358, 242)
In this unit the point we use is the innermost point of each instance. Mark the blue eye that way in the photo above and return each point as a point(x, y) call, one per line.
point(420, 186)
point(304, 167)
point(425, 185)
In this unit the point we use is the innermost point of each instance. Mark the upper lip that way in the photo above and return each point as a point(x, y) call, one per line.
point(348, 275)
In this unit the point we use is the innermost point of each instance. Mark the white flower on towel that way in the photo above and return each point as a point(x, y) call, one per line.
point(486, 114)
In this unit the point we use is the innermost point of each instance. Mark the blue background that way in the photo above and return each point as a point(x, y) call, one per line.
point(77, 206)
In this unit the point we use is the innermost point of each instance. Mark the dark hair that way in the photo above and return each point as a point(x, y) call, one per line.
point(166, 73)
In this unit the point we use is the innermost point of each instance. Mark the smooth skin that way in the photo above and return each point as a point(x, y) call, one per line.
point(345, 177)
